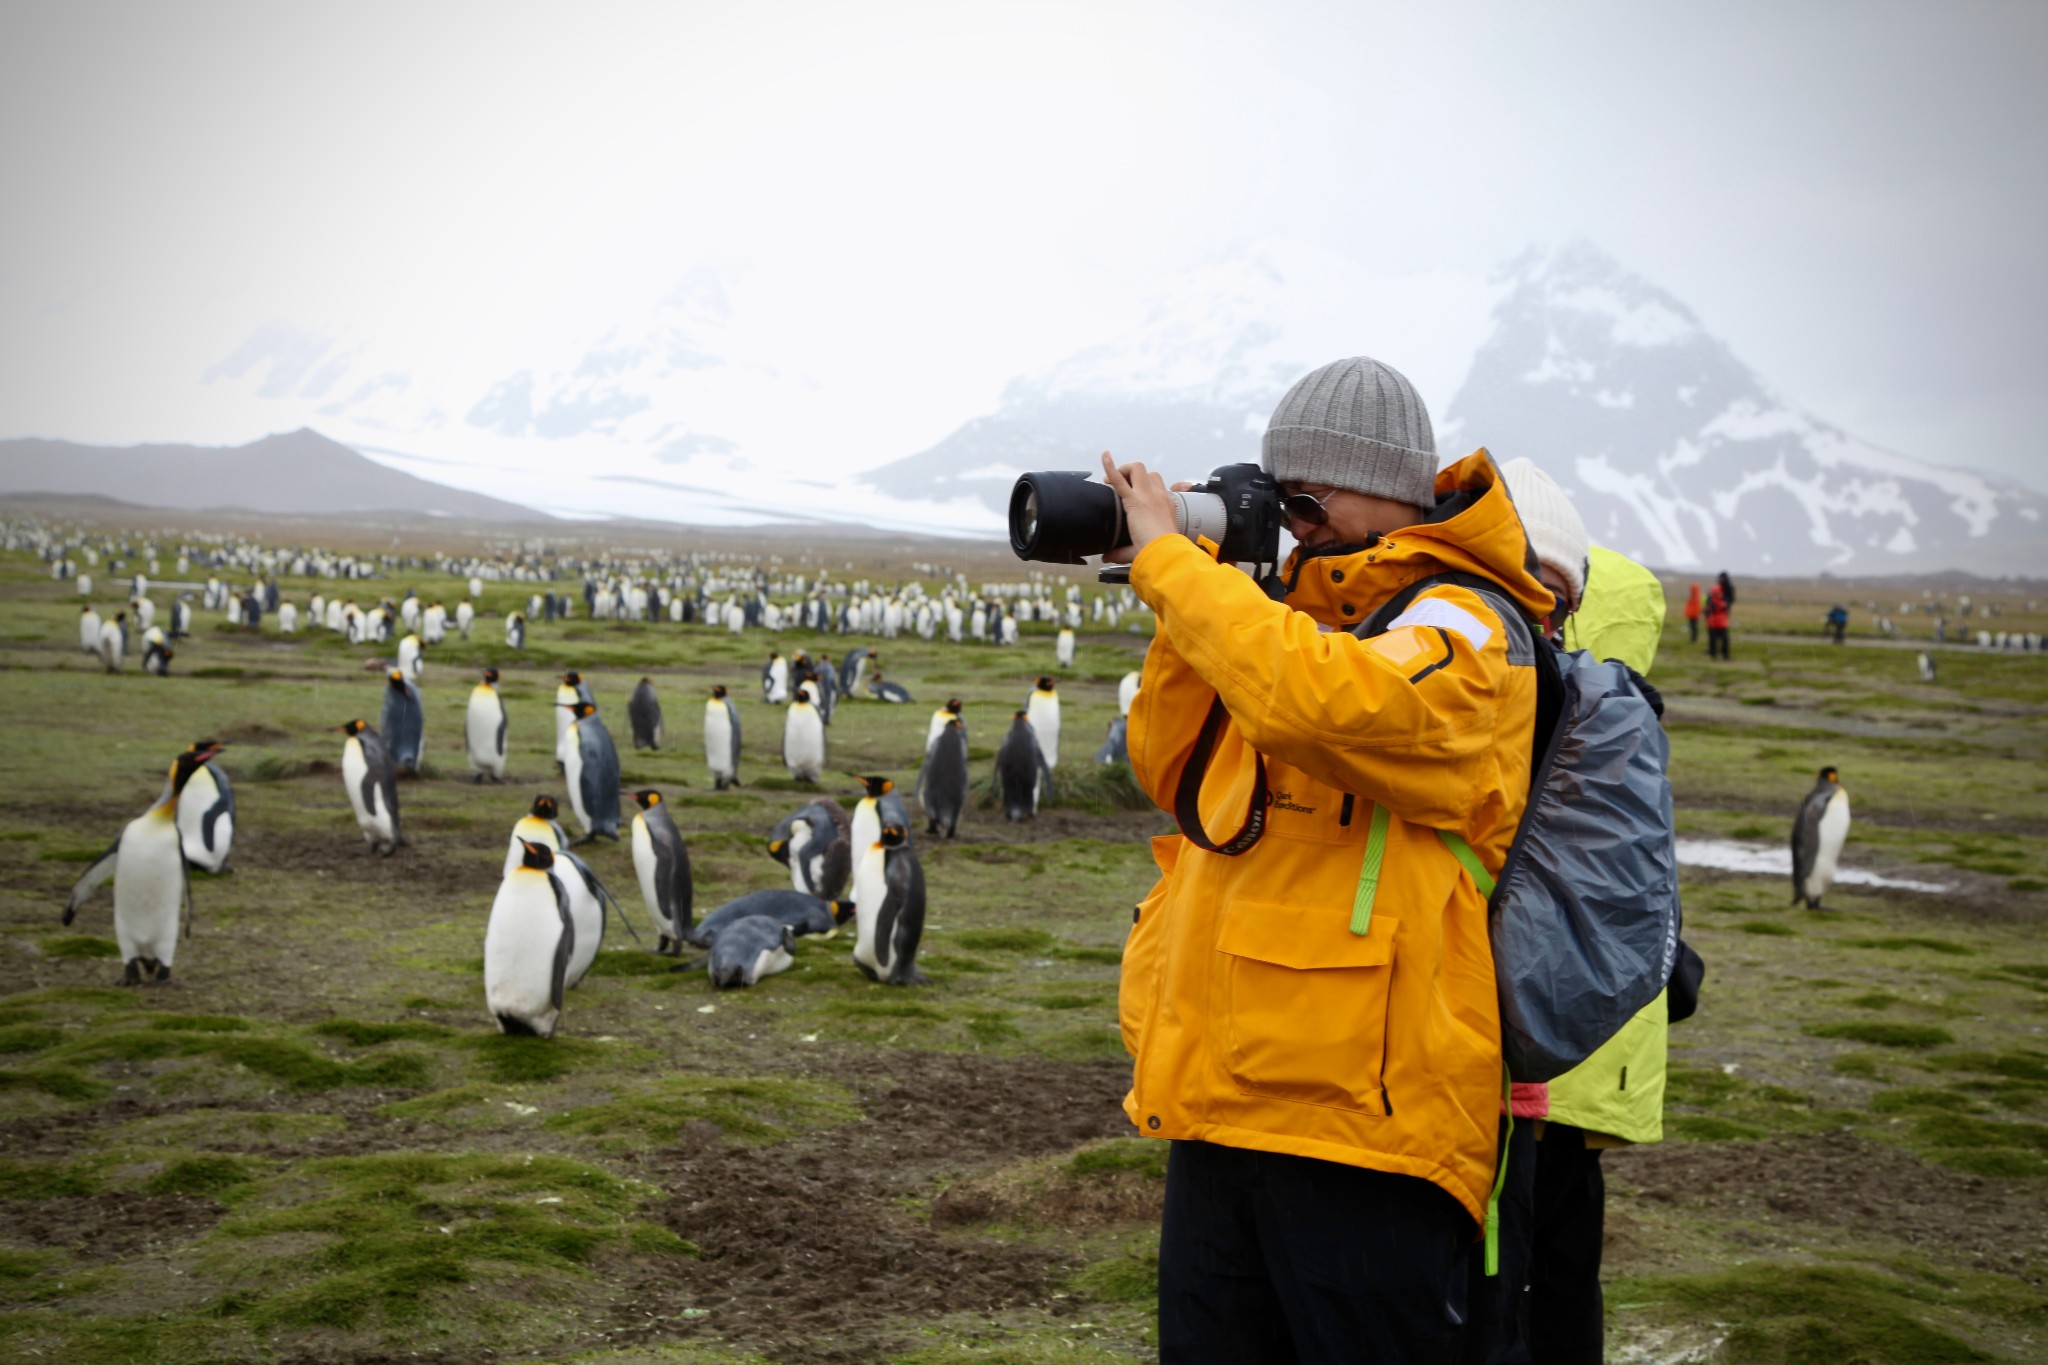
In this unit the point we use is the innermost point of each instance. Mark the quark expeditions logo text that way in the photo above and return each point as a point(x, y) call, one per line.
point(1285, 801)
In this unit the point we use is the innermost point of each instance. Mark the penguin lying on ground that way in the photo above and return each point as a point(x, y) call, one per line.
point(591, 763)
point(151, 887)
point(527, 946)
point(748, 949)
point(206, 813)
point(888, 902)
point(483, 729)
point(800, 913)
point(942, 785)
point(662, 863)
point(722, 740)
point(643, 713)
point(881, 689)
point(1818, 833)
point(372, 785)
point(1022, 778)
point(814, 844)
point(404, 722)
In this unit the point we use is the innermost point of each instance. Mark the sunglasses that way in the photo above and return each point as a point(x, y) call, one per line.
point(1305, 508)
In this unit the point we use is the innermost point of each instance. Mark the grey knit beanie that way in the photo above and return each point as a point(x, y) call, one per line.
point(1355, 424)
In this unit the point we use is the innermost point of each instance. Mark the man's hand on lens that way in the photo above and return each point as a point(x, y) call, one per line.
point(1148, 510)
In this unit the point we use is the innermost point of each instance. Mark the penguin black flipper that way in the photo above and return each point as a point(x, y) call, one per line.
point(503, 721)
point(224, 804)
point(565, 946)
point(1806, 836)
point(732, 713)
point(100, 871)
point(185, 898)
point(901, 924)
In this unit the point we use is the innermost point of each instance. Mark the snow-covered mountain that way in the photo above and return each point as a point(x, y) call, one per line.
point(1674, 450)
point(1677, 453)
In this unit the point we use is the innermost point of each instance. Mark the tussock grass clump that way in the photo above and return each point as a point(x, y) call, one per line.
point(1141, 1156)
point(1130, 1278)
point(357, 1033)
point(1899, 943)
point(283, 768)
point(1792, 1315)
point(759, 1108)
point(514, 1061)
point(227, 1039)
point(210, 1175)
point(1879, 1033)
point(400, 1226)
point(80, 946)
point(20, 1038)
point(199, 1023)
point(58, 1082)
point(44, 1180)
point(1005, 940)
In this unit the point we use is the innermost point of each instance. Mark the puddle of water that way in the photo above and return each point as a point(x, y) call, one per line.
point(1726, 855)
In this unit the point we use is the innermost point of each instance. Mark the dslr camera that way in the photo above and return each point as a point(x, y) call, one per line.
point(1066, 517)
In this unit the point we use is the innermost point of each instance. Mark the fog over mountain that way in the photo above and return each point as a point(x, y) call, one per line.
point(1675, 451)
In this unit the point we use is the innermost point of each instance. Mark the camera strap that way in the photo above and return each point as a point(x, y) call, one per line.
point(1187, 811)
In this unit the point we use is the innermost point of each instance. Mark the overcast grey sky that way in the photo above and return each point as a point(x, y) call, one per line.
point(227, 219)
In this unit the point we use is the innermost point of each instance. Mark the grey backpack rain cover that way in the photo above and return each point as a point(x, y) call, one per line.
point(1584, 916)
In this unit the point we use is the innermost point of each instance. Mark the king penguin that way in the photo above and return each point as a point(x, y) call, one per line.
point(775, 679)
point(1115, 746)
point(89, 630)
point(1818, 833)
point(888, 904)
point(156, 655)
point(515, 630)
point(662, 863)
point(942, 786)
point(1126, 693)
point(1022, 778)
point(800, 913)
point(540, 825)
point(404, 722)
point(484, 729)
point(881, 689)
point(722, 740)
point(748, 949)
point(589, 899)
point(853, 673)
point(206, 812)
point(411, 654)
point(151, 886)
point(814, 844)
point(1063, 647)
point(568, 692)
point(940, 718)
point(114, 641)
point(643, 713)
point(591, 763)
point(367, 773)
point(527, 946)
point(1926, 663)
point(879, 805)
point(1043, 710)
point(803, 738)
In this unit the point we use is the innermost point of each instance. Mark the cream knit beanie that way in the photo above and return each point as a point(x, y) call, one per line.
point(1555, 530)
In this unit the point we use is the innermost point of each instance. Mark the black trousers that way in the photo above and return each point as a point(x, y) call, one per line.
point(1271, 1260)
point(1567, 1316)
point(1717, 642)
point(1692, 623)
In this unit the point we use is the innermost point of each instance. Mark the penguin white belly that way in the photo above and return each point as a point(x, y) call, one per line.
point(519, 952)
point(1044, 714)
point(1064, 650)
point(1126, 693)
point(718, 739)
point(149, 889)
point(534, 831)
point(371, 818)
point(644, 866)
point(571, 753)
point(870, 888)
point(588, 917)
point(866, 825)
point(1827, 853)
point(936, 728)
point(483, 726)
point(770, 961)
point(803, 743)
point(802, 876)
point(202, 794)
point(564, 697)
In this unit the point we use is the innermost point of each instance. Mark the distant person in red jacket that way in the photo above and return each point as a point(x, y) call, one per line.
point(1717, 624)
point(1692, 615)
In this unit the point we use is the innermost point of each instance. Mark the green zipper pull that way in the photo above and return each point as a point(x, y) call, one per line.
point(1369, 871)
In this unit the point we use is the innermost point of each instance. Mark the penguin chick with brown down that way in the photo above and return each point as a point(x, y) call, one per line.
point(1818, 833)
point(888, 907)
point(151, 888)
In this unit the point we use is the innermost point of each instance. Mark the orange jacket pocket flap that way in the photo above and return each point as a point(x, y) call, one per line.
point(1304, 937)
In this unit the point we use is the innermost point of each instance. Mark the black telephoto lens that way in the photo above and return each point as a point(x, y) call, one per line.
point(1059, 517)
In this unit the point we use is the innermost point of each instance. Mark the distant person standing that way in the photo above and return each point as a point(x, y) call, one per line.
point(1727, 587)
point(1717, 622)
point(1692, 615)
point(1838, 621)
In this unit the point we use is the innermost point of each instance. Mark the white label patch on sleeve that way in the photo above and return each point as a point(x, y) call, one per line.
point(1435, 611)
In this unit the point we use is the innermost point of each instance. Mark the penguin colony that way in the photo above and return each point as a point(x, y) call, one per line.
point(552, 910)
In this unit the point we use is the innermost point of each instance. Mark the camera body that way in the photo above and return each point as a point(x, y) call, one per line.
point(1062, 517)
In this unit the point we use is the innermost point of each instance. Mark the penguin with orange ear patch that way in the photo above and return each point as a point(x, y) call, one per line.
point(888, 907)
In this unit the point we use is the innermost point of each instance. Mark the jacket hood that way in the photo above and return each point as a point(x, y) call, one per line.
point(1473, 529)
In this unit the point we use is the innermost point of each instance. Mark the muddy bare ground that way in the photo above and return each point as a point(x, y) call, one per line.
point(818, 1250)
point(1846, 1184)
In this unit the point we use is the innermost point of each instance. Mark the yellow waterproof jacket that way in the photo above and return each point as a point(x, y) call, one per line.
point(1295, 998)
